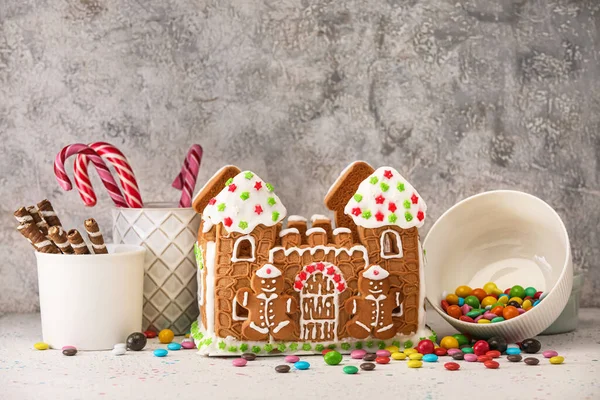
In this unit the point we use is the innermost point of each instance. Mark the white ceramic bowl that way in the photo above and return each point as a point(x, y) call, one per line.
point(507, 237)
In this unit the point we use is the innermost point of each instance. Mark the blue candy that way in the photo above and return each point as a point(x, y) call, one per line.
point(502, 295)
point(160, 352)
point(430, 358)
point(302, 365)
point(513, 350)
point(174, 346)
point(536, 303)
point(461, 301)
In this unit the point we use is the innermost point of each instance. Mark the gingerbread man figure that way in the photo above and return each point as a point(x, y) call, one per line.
point(372, 311)
point(268, 309)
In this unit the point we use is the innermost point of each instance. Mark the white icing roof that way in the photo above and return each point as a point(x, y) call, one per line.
point(296, 218)
point(315, 230)
point(337, 231)
point(386, 198)
point(288, 231)
point(246, 202)
point(316, 217)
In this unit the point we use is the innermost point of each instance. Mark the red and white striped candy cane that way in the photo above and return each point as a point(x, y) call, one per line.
point(124, 171)
point(85, 186)
point(186, 180)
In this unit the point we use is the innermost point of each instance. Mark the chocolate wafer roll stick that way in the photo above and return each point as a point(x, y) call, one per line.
point(59, 237)
point(48, 214)
point(23, 216)
point(40, 242)
point(93, 231)
point(77, 243)
point(21, 229)
point(41, 224)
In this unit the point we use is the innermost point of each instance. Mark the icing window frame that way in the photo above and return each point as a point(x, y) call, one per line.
point(396, 254)
point(234, 254)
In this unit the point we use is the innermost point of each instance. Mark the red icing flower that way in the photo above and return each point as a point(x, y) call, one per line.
point(258, 185)
point(379, 216)
point(258, 209)
point(212, 201)
point(420, 216)
point(320, 266)
point(330, 271)
point(310, 269)
point(268, 271)
point(356, 211)
point(414, 199)
point(375, 272)
point(379, 199)
point(341, 286)
point(232, 187)
point(337, 278)
point(298, 285)
point(388, 174)
point(227, 221)
point(302, 276)
point(392, 207)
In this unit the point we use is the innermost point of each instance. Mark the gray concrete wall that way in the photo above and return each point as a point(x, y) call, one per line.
point(460, 96)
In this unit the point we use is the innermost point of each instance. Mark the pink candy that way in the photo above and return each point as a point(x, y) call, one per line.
point(454, 351)
point(358, 354)
point(489, 316)
point(188, 345)
point(382, 353)
point(239, 362)
point(478, 318)
point(470, 357)
point(466, 308)
point(292, 359)
point(521, 311)
point(73, 347)
point(549, 353)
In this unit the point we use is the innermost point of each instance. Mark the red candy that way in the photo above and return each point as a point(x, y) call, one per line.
point(493, 354)
point(382, 360)
point(491, 364)
point(481, 347)
point(451, 366)
point(150, 334)
point(425, 346)
point(440, 351)
point(454, 311)
point(537, 295)
point(464, 318)
point(325, 351)
point(507, 291)
point(445, 305)
point(484, 358)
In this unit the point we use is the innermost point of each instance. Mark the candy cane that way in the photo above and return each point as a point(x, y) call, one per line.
point(122, 167)
point(85, 187)
point(186, 180)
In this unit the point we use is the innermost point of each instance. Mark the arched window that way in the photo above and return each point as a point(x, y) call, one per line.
point(244, 249)
point(391, 244)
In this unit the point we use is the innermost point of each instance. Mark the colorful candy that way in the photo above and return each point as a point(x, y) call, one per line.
point(449, 342)
point(430, 357)
point(160, 353)
point(530, 346)
point(370, 357)
point(531, 361)
point(414, 364)
point(549, 353)
point(462, 339)
point(392, 349)
point(41, 346)
point(470, 357)
point(491, 364)
point(358, 354)
point(398, 356)
point(458, 356)
point(454, 311)
point(384, 353)
point(452, 366)
point(514, 358)
point(334, 358)
point(368, 366)
point(292, 359)
point(136, 341)
point(150, 334)
point(382, 360)
point(301, 365)
point(472, 301)
point(249, 356)
point(481, 347)
point(557, 360)
point(440, 351)
point(174, 346)
point(191, 345)
point(166, 336)
point(350, 369)
point(513, 350)
point(282, 369)
point(238, 362)
point(70, 351)
point(425, 346)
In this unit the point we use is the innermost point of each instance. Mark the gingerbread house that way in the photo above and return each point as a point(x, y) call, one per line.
point(266, 288)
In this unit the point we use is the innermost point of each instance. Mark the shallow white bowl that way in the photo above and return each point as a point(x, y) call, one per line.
point(507, 237)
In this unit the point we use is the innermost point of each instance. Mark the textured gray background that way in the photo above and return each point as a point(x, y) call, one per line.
point(460, 96)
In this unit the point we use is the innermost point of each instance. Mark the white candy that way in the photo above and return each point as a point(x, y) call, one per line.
point(119, 351)
point(120, 345)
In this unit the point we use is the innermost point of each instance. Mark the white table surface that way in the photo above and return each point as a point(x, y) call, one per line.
point(26, 373)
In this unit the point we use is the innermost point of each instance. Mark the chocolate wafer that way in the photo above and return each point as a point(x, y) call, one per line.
point(23, 216)
point(40, 242)
point(77, 243)
point(41, 224)
point(93, 231)
point(21, 229)
point(48, 214)
point(59, 237)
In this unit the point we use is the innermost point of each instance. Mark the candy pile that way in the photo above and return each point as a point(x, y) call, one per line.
point(490, 304)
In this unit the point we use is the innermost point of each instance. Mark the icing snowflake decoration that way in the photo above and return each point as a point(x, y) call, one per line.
point(245, 202)
point(386, 198)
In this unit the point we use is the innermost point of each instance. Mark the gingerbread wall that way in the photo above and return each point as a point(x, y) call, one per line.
point(404, 272)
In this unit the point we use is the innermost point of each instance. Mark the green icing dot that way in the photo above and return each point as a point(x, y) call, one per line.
point(271, 201)
point(229, 182)
point(221, 207)
point(243, 224)
point(245, 195)
point(345, 346)
point(248, 175)
point(306, 347)
point(373, 180)
point(406, 204)
point(232, 349)
point(408, 344)
point(381, 345)
point(400, 187)
point(396, 343)
point(208, 342)
point(275, 216)
point(269, 187)
point(293, 346)
point(281, 347)
point(198, 254)
point(268, 347)
point(366, 214)
point(384, 186)
point(358, 197)
point(369, 343)
point(392, 218)
point(256, 349)
point(358, 345)
point(243, 347)
point(222, 345)
point(332, 346)
point(408, 216)
point(319, 347)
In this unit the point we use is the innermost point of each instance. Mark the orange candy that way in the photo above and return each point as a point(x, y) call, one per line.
point(452, 299)
point(455, 312)
point(510, 312)
point(479, 293)
point(463, 291)
point(497, 310)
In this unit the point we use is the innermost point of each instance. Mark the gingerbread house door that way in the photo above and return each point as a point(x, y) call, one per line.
point(319, 286)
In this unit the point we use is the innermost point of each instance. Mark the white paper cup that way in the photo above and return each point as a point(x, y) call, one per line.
point(507, 237)
point(91, 301)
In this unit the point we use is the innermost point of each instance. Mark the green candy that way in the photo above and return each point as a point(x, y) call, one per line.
point(472, 301)
point(408, 344)
point(333, 358)
point(474, 313)
point(517, 291)
point(466, 350)
point(497, 319)
point(461, 339)
point(349, 369)
point(530, 291)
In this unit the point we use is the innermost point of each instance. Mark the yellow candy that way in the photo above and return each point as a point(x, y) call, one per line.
point(414, 364)
point(410, 351)
point(491, 288)
point(557, 360)
point(452, 299)
point(463, 291)
point(483, 321)
point(488, 301)
point(166, 336)
point(449, 342)
point(41, 346)
point(187, 335)
point(416, 356)
point(527, 305)
point(517, 299)
point(398, 356)
point(392, 349)
point(503, 299)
